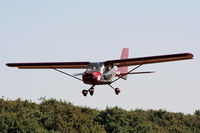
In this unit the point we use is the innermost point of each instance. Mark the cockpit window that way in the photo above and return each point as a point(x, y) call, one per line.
point(95, 67)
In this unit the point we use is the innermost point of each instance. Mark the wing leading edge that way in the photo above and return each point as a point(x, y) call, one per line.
point(48, 65)
point(150, 59)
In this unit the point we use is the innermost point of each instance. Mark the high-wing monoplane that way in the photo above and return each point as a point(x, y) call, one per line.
point(104, 73)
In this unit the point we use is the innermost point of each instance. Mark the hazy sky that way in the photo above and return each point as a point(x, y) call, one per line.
point(66, 30)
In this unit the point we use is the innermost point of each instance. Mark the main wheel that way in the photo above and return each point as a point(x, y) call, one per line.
point(117, 91)
point(91, 90)
point(85, 92)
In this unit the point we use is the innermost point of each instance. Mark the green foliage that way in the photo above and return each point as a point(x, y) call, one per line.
point(52, 116)
point(197, 112)
point(117, 120)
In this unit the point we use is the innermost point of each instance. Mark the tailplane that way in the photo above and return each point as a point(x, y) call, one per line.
point(124, 70)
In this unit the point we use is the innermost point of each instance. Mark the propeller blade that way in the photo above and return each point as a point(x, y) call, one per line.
point(78, 74)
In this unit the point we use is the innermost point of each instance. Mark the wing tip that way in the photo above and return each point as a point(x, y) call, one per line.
point(9, 64)
point(189, 55)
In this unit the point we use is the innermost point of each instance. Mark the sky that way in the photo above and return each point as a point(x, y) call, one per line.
point(65, 30)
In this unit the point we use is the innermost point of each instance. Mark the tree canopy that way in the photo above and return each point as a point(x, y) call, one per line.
point(53, 116)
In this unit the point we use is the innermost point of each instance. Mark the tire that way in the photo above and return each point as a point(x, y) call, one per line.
point(117, 91)
point(91, 90)
point(85, 92)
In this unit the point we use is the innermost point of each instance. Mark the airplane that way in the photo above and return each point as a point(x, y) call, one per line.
point(104, 73)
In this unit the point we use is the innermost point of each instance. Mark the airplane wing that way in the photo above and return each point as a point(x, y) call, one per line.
point(149, 60)
point(49, 65)
point(119, 63)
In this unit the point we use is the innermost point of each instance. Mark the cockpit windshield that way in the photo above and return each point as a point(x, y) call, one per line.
point(95, 67)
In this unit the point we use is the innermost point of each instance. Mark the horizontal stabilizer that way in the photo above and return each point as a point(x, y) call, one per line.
point(122, 74)
point(142, 72)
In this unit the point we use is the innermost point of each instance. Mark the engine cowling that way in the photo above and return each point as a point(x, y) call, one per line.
point(91, 78)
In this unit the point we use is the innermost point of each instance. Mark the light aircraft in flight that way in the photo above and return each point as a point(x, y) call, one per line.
point(104, 73)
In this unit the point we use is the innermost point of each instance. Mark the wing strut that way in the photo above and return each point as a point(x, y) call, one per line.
point(128, 72)
point(66, 74)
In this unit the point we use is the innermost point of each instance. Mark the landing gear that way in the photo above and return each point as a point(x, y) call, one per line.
point(91, 91)
point(85, 92)
point(117, 90)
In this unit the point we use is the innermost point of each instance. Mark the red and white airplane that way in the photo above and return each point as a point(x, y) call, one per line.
point(104, 73)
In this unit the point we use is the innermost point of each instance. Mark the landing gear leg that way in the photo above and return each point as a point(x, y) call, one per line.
point(91, 90)
point(117, 90)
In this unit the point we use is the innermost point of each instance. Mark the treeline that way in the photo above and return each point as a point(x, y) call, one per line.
point(52, 116)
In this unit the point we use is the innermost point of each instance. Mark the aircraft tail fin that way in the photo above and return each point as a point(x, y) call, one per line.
point(124, 70)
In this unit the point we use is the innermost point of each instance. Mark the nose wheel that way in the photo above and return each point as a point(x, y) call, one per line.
point(91, 91)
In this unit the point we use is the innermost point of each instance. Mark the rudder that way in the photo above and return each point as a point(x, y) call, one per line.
point(124, 55)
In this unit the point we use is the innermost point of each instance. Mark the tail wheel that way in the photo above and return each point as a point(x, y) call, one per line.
point(91, 90)
point(85, 92)
point(117, 91)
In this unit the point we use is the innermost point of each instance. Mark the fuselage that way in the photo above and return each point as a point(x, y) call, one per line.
point(99, 74)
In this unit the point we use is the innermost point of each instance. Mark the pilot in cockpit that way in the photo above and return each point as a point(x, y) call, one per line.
point(107, 73)
point(94, 68)
point(107, 68)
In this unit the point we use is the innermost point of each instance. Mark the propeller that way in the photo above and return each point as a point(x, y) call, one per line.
point(78, 74)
